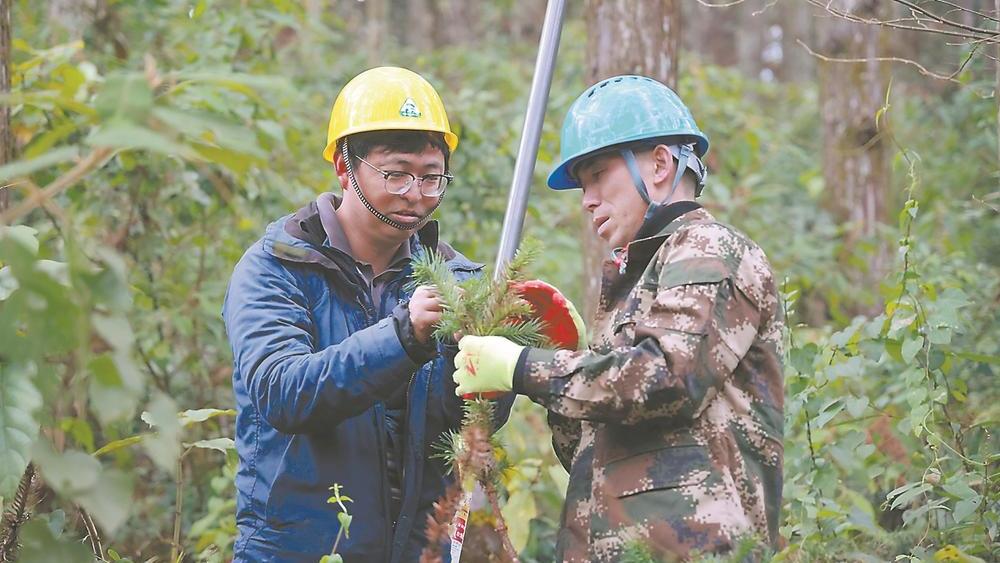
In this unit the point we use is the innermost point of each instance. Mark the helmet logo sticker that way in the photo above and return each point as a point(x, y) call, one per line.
point(409, 109)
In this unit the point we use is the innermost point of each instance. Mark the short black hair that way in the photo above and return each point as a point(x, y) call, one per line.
point(397, 140)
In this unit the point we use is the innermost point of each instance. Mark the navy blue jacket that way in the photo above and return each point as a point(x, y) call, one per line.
point(314, 359)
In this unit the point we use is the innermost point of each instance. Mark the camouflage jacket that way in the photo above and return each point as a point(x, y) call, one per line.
point(671, 424)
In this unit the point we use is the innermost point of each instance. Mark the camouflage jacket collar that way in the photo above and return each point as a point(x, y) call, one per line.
point(639, 252)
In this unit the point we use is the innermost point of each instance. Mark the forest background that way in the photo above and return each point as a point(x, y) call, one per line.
point(146, 144)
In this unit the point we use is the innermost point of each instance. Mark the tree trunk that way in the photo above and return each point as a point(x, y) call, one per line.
point(710, 33)
point(6, 132)
point(461, 27)
point(625, 37)
point(524, 20)
point(633, 37)
point(855, 155)
point(797, 65)
point(375, 16)
point(421, 14)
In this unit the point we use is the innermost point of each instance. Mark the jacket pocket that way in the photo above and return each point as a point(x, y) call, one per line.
point(670, 467)
point(622, 329)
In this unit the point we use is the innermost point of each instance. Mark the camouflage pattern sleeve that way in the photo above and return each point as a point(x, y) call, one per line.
point(671, 345)
point(565, 437)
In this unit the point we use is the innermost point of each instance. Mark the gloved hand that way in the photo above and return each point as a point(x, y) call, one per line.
point(485, 364)
point(563, 325)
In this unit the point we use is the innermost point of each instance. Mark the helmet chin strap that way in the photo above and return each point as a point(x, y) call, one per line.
point(685, 159)
point(684, 153)
point(371, 208)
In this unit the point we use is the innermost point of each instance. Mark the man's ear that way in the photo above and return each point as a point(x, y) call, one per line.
point(340, 167)
point(663, 165)
point(338, 163)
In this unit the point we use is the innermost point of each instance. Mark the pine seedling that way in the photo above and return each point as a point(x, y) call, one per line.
point(481, 306)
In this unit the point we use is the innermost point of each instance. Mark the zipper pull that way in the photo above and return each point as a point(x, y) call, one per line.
point(620, 257)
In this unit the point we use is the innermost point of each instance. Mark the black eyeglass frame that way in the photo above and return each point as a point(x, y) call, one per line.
point(386, 174)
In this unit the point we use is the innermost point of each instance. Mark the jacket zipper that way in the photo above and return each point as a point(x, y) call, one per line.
point(367, 306)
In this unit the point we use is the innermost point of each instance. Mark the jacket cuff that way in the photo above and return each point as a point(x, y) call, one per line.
point(527, 379)
point(418, 352)
point(452, 404)
point(519, 372)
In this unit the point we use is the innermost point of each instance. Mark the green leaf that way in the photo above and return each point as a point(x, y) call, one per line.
point(345, 522)
point(220, 444)
point(519, 510)
point(19, 399)
point(910, 348)
point(8, 283)
point(802, 358)
point(40, 545)
point(116, 386)
point(957, 487)
point(206, 127)
point(903, 495)
point(238, 82)
point(127, 136)
point(119, 444)
point(856, 405)
point(189, 417)
point(559, 477)
point(114, 329)
point(124, 97)
point(919, 511)
point(104, 370)
point(828, 412)
point(80, 430)
point(164, 447)
point(21, 235)
point(109, 500)
point(21, 168)
point(71, 472)
point(965, 508)
point(117, 402)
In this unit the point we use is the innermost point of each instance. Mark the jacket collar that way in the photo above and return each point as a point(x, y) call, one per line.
point(299, 237)
point(637, 255)
point(664, 223)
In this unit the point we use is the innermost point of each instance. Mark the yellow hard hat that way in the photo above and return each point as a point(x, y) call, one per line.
point(387, 98)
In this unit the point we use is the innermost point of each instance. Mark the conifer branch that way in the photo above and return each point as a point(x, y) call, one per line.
point(481, 306)
point(18, 513)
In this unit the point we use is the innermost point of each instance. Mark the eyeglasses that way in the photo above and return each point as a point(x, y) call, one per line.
point(398, 183)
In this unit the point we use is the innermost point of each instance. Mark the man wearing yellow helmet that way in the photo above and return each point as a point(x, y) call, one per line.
point(336, 376)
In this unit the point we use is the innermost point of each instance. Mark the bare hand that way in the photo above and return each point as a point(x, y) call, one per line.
point(425, 312)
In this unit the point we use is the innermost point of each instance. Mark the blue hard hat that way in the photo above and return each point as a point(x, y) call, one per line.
point(622, 110)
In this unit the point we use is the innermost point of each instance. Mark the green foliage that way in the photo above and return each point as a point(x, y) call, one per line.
point(482, 306)
point(636, 551)
point(110, 295)
point(344, 518)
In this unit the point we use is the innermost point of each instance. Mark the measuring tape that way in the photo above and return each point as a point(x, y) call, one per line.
point(458, 525)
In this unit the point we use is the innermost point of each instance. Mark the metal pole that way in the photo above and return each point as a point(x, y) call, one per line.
point(524, 167)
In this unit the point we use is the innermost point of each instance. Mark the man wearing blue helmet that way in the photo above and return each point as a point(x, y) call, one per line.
point(670, 422)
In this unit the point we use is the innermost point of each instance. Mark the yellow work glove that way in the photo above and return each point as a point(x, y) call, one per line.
point(485, 364)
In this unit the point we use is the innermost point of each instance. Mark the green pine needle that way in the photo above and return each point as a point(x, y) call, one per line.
point(482, 306)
